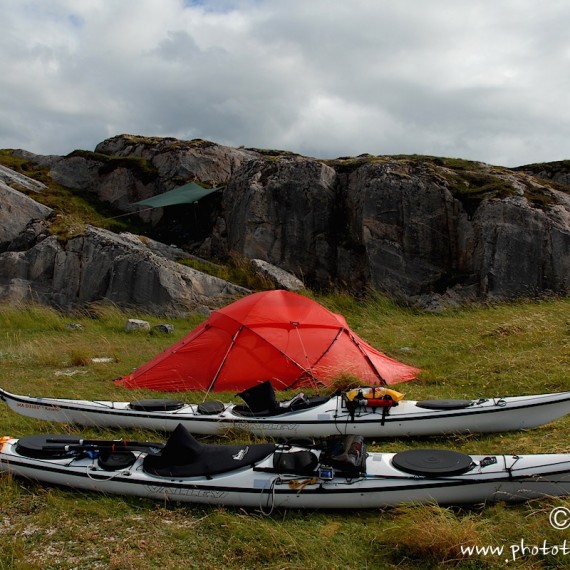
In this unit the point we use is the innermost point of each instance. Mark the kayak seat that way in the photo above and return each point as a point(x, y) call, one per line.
point(184, 456)
point(432, 462)
point(156, 405)
point(306, 403)
point(444, 404)
point(301, 462)
point(260, 401)
point(211, 408)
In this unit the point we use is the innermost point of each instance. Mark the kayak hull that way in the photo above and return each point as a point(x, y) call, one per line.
point(489, 479)
point(332, 417)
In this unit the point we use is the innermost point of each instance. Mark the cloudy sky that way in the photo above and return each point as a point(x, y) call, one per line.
point(485, 80)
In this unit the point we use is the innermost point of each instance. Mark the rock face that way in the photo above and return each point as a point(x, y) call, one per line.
point(22, 219)
point(9, 177)
point(415, 228)
point(100, 265)
point(172, 158)
point(95, 265)
point(282, 212)
point(426, 230)
point(126, 169)
point(520, 250)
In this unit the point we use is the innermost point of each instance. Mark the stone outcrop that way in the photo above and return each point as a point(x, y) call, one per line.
point(100, 265)
point(125, 169)
point(17, 181)
point(557, 171)
point(279, 278)
point(423, 229)
point(95, 265)
point(419, 229)
point(175, 159)
point(21, 217)
point(427, 228)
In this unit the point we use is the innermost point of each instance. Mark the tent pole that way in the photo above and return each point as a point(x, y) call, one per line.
point(226, 355)
point(338, 333)
point(234, 338)
point(367, 358)
point(296, 325)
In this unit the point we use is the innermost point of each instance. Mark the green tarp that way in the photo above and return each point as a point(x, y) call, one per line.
point(186, 194)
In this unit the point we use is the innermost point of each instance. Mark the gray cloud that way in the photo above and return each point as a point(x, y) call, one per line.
point(480, 80)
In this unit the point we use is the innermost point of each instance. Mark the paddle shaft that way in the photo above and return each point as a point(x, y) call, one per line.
point(113, 446)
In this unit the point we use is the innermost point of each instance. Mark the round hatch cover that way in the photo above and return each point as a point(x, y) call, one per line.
point(116, 461)
point(432, 462)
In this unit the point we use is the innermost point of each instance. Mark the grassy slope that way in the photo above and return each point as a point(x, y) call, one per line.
point(501, 350)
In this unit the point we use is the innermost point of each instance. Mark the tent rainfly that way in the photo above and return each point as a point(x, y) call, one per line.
point(273, 335)
point(187, 194)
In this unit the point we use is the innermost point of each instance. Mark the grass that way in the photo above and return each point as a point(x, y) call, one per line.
point(507, 349)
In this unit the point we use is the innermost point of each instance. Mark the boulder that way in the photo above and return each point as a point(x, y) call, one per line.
point(137, 325)
point(19, 214)
point(100, 265)
point(278, 277)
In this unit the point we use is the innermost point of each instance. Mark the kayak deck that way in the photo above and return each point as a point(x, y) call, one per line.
point(319, 417)
point(267, 476)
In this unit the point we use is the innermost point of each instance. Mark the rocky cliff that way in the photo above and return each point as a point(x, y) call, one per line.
point(125, 169)
point(417, 228)
point(93, 264)
point(422, 229)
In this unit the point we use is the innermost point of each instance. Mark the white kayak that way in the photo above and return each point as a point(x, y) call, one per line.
point(304, 417)
point(337, 474)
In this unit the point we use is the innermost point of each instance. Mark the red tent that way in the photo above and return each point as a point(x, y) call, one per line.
point(273, 335)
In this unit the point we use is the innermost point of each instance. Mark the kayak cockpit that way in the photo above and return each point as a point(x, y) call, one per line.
point(260, 401)
point(184, 456)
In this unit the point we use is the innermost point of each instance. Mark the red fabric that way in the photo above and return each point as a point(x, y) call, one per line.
point(273, 335)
